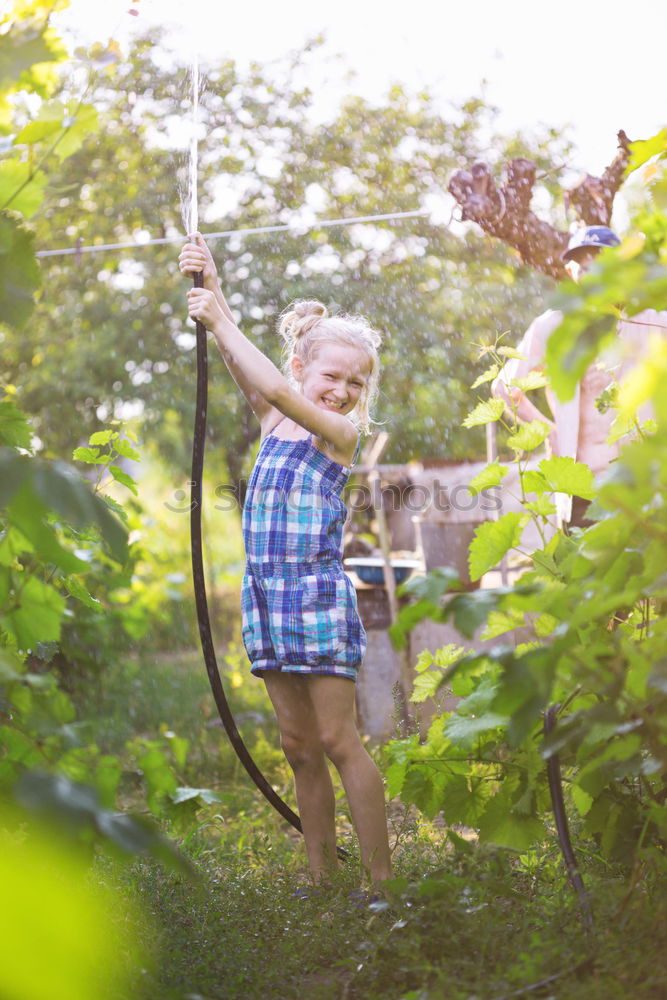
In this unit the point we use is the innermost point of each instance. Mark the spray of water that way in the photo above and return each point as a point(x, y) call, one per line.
point(193, 219)
point(188, 190)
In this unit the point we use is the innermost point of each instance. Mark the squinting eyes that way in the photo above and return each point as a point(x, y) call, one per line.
point(357, 385)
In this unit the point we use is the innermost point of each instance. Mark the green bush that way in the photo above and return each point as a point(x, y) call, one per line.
point(591, 606)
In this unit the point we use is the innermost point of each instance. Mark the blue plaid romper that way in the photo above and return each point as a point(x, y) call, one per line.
point(299, 608)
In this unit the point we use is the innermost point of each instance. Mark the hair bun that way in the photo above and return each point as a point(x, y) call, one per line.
point(300, 318)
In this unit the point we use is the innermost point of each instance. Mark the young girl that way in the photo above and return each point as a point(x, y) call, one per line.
point(301, 628)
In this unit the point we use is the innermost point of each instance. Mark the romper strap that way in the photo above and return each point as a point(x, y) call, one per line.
point(276, 425)
point(357, 451)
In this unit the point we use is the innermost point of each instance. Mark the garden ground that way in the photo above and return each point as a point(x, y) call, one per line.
point(464, 921)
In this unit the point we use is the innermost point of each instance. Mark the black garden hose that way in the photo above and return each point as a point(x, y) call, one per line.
point(562, 828)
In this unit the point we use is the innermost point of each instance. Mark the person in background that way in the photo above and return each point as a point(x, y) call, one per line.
point(579, 429)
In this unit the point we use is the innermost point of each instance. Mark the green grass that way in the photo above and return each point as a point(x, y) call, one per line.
point(465, 922)
point(476, 925)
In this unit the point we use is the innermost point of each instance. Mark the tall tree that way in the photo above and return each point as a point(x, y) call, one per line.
point(110, 333)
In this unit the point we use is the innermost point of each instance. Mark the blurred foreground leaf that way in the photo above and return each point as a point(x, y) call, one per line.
point(58, 487)
point(77, 809)
point(19, 273)
point(63, 937)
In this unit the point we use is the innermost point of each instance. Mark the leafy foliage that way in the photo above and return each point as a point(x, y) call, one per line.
point(52, 524)
point(591, 612)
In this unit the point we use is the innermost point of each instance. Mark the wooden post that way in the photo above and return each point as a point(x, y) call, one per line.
point(370, 463)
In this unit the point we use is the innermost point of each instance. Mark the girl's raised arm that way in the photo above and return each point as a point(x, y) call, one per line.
point(196, 256)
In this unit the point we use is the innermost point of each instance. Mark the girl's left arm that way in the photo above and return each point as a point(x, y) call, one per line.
point(259, 371)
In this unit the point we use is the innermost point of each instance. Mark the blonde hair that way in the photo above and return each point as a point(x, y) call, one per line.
point(306, 325)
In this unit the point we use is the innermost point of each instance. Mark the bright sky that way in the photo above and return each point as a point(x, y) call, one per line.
point(595, 64)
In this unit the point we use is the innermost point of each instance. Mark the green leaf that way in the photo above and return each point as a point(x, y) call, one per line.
point(622, 424)
point(463, 730)
point(19, 273)
point(102, 437)
point(533, 380)
point(469, 611)
point(542, 506)
point(395, 775)
point(409, 617)
point(61, 487)
point(424, 661)
point(534, 482)
point(78, 807)
point(492, 541)
point(485, 413)
point(510, 352)
point(487, 376)
point(122, 477)
point(21, 187)
point(91, 456)
point(490, 476)
point(481, 699)
point(157, 772)
point(500, 622)
point(563, 475)
point(23, 47)
point(125, 449)
point(424, 787)
point(179, 748)
point(644, 149)
point(523, 692)
point(529, 436)
point(19, 748)
point(426, 686)
point(76, 589)
point(434, 670)
point(464, 799)
point(582, 800)
point(38, 616)
point(501, 825)
point(432, 586)
point(28, 514)
point(14, 428)
point(85, 122)
point(573, 346)
point(5, 585)
point(47, 124)
point(36, 131)
point(446, 655)
point(184, 794)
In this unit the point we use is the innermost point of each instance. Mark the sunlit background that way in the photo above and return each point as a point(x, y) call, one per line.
point(591, 65)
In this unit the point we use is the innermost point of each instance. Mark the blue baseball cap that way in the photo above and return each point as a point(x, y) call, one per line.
point(591, 236)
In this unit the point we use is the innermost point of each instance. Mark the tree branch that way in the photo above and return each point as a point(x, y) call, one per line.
point(504, 211)
point(592, 198)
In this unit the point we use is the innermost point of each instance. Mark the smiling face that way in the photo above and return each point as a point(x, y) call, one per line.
point(335, 377)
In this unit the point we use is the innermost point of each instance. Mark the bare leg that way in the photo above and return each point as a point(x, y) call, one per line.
point(301, 743)
point(333, 702)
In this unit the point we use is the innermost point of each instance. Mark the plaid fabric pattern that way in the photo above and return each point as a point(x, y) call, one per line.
point(299, 607)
